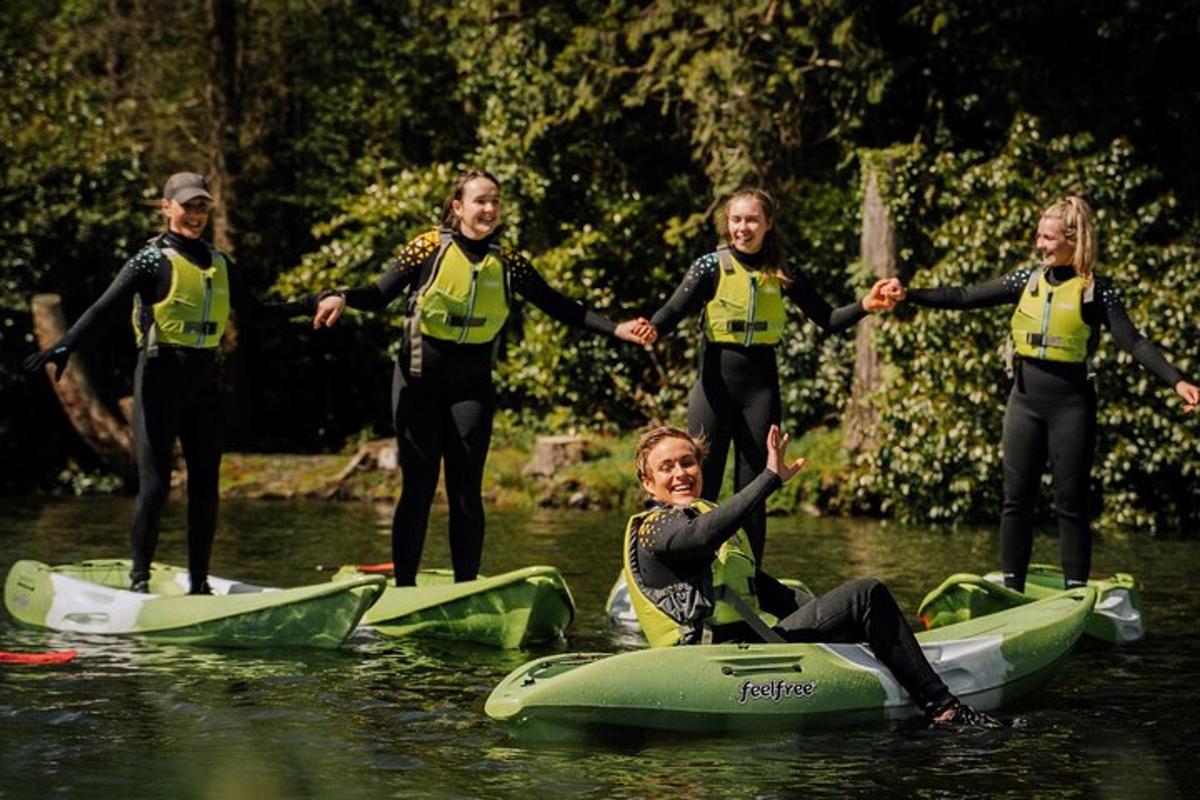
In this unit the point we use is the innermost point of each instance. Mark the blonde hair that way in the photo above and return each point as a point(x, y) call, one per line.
point(772, 248)
point(653, 436)
point(1076, 217)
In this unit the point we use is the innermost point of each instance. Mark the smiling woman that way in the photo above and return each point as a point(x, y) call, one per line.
point(182, 290)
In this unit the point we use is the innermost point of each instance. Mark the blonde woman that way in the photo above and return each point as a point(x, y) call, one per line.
point(1061, 304)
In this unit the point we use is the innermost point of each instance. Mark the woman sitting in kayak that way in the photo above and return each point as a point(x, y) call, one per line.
point(693, 578)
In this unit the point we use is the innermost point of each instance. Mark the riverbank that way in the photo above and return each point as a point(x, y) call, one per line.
point(601, 480)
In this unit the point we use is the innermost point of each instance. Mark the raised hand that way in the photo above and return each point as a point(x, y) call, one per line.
point(329, 310)
point(777, 444)
point(638, 330)
point(56, 355)
point(1190, 394)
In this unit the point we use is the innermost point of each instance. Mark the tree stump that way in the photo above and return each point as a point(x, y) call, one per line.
point(551, 453)
point(110, 437)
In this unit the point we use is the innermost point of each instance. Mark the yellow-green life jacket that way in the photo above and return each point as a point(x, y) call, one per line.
point(1048, 322)
point(460, 301)
point(733, 571)
point(747, 307)
point(196, 308)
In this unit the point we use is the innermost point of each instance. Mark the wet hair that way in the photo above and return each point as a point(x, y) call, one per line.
point(1076, 216)
point(647, 441)
point(449, 218)
point(772, 247)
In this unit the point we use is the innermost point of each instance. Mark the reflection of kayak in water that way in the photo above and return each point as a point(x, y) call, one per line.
point(512, 610)
point(34, 659)
point(987, 662)
point(93, 597)
point(1116, 618)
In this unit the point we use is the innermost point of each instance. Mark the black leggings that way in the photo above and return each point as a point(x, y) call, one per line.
point(736, 400)
point(176, 393)
point(864, 610)
point(443, 415)
point(1051, 414)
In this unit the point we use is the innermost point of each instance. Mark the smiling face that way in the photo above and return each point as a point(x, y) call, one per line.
point(478, 210)
point(671, 472)
point(748, 223)
point(1052, 243)
point(188, 219)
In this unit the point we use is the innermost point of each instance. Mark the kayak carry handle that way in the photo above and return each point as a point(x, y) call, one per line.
point(729, 669)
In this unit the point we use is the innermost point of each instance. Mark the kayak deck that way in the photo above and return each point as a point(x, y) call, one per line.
point(91, 597)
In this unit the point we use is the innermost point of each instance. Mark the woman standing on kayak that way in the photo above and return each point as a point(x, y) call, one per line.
point(693, 577)
point(740, 289)
point(1051, 411)
point(460, 282)
point(182, 289)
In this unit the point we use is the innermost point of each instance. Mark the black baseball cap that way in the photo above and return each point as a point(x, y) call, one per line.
point(184, 186)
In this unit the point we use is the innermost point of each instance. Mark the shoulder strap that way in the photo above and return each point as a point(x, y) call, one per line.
point(747, 614)
point(1035, 275)
point(413, 334)
point(725, 259)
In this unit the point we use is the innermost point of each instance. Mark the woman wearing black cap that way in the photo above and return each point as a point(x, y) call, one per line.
point(182, 290)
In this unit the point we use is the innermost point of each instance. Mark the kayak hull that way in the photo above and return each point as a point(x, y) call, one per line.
point(1115, 619)
point(509, 611)
point(90, 597)
point(988, 662)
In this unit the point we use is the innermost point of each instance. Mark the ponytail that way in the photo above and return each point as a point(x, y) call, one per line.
point(1076, 216)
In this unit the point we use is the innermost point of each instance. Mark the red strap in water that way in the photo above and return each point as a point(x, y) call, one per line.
point(51, 657)
point(388, 567)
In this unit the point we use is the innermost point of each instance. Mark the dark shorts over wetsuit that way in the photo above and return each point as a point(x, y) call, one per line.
point(445, 414)
point(678, 545)
point(735, 399)
point(1051, 414)
point(176, 394)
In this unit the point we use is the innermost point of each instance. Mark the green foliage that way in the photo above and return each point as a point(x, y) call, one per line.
point(941, 413)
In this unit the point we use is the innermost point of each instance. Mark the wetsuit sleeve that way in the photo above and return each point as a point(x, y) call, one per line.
point(684, 532)
point(140, 274)
point(1131, 340)
point(699, 286)
point(251, 310)
point(401, 274)
point(997, 292)
point(815, 307)
point(526, 282)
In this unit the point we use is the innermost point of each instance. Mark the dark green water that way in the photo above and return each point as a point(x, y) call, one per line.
point(403, 718)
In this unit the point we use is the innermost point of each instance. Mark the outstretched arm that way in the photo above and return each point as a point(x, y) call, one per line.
point(828, 318)
point(402, 272)
point(526, 282)
point(698, 286)
point(999, 291)
point(1131, 340)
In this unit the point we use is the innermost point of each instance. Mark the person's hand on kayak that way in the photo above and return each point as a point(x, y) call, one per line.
point(1190, 394)
point(57, 356)
point(777, 444)
point(329, 310)
point(638, 330)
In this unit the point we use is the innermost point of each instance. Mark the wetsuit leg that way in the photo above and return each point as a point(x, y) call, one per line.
point(1072, 444)
point(419, 434)
point(756, 391)
point(1025, 446)
point(157, 406)
point(200, 435)
point(467, 438)
point(864, 610)
point(709, 412)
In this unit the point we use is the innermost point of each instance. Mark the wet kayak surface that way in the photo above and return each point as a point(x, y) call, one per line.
point(403, 717)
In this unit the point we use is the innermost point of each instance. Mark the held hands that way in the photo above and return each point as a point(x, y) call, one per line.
point(1190, 394)
point(329, 311)
point(638, 330)
point(56, 356)
point(777, 444)
point(884, 295)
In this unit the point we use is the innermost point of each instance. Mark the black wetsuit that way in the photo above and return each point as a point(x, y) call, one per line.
point(676, 547)
point(445, 414)
point(1051, 413)
point(736, 396)
point(176, 393)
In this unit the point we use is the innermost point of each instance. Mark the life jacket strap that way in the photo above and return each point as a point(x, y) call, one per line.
point(747, 614)
point(741, 325)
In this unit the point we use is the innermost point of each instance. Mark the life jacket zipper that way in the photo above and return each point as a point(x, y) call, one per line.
point(466, 326)
point(753, 303)
point(207, 309)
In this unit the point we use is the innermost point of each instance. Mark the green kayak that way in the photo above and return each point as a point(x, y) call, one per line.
point(988, 662)
point(1116, 618)
point(92, 597)
point(519, 608)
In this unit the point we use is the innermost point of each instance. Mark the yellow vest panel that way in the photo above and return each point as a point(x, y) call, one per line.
point(747, 308)
point(196, 308)
point(463, 302)
point(1048, 322)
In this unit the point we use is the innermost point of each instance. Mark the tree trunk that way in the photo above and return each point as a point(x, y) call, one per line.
point(224, 116)
point(879, 252)
point(110, 437)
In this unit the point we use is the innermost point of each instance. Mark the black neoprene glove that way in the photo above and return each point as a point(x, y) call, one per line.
point(56, 355)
